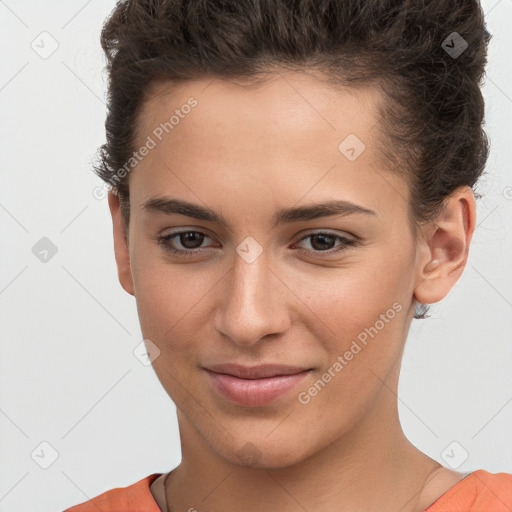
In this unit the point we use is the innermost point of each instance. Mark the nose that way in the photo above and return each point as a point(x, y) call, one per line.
point(253, 303)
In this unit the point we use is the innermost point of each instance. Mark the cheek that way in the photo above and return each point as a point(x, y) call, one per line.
point(168, 305)
point(162, 296)
point(359, 326)
point(165, 291)
point(356, 313)
point(350, 298)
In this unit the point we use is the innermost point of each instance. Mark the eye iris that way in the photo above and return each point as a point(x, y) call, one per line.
point(189, 237)
point(322, 236)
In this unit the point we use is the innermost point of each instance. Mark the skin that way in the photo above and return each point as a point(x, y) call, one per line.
point(247, 152)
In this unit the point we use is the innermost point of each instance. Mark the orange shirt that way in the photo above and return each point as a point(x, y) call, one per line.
point(480, 491)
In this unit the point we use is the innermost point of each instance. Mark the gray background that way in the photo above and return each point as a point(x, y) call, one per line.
point(68, 373)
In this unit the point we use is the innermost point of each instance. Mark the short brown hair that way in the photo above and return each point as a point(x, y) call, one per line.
point(432, 123)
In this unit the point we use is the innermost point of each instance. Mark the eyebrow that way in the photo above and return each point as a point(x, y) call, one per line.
point(171, 206)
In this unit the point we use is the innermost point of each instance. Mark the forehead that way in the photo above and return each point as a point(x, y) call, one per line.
point(282, 137)
point(300, 104)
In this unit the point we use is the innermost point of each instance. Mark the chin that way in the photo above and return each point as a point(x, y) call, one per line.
point(263, 452)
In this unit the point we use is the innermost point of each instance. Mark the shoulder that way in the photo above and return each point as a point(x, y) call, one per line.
point(480, 491)
point(492, 489)
point(136, 497)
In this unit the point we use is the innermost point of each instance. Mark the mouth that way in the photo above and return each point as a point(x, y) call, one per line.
point(257, 385)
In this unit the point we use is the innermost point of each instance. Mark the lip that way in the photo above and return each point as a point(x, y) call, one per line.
point(256, 385)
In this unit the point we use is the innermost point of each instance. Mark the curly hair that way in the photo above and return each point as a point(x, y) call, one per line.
point(427, 57)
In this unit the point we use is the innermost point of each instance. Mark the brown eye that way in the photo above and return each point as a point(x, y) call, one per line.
point(183, 243)
point(321, 242)
point(191, 239)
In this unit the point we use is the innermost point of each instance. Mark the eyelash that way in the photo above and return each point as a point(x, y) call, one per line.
point(168, 246)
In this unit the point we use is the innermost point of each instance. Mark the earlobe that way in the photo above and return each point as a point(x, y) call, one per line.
point(121, 250)
point(446, 247)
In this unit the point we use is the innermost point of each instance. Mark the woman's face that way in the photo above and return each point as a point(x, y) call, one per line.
point(331, 294)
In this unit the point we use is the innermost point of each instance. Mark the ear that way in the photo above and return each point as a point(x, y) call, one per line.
point(445, 247)
point(121, 250)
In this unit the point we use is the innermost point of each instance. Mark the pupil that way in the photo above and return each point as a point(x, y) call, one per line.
point(330, 238)
point(185, 238)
